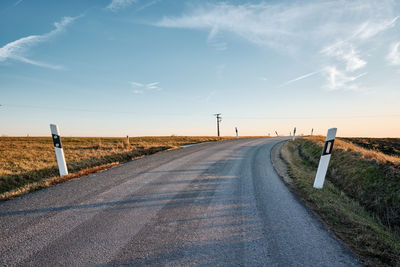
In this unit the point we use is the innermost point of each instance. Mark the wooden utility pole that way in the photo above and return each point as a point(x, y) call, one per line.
point(219, 119)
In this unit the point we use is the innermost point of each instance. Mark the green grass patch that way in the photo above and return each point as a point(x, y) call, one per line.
point(358, 201)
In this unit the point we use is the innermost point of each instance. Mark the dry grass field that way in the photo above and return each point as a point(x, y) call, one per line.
point(389, 146)
point(25, 162)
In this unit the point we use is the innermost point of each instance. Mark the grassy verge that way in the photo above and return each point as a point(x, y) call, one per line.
point(353, 200)
point(29, 163)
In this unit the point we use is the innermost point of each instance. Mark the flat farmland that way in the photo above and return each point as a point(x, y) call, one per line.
point(27, 160)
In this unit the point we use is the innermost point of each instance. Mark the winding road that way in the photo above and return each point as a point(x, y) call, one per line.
point(213, 204)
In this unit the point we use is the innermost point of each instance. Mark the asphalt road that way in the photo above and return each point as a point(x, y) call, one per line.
point(215, 204)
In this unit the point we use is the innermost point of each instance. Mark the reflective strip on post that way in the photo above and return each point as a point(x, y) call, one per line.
point(62, 166)
point(325, 157)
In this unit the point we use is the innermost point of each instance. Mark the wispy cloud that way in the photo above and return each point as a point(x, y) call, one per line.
point(140, 88)
point(394, 54)
point(18, 2)
point(116, 5)
point(346, 53)
point(345, 49)
point(371, 28)
point(15, 50)
point(278, 24)
point(341, 30)
point(339, 80)
point(299, 78)
point(153, 86)
point(147, 4)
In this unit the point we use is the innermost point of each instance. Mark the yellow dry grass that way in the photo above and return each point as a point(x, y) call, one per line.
point(363, 152)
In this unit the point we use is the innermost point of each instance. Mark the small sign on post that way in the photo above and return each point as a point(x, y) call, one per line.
point(237, 133)
point(325, 157)
point(55, 133)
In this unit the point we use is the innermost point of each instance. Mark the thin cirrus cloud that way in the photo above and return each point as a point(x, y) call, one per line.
point(346, 51)
point(140, 88)
point(16, 50)
point(300, 78)
point(394, 54)
point(341, 80)
point(275, 24)
point(340, 30)
point(18, 2)
point(116, 5)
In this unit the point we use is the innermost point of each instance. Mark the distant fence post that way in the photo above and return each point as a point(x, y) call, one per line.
point(294, 134)
point(62, 166)
point(237, 133)
point(325, 157)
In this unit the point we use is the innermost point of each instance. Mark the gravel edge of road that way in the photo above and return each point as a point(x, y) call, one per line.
point(281, 168)
point(279, 165)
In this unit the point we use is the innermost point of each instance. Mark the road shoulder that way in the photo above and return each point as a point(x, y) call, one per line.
point(342, 215)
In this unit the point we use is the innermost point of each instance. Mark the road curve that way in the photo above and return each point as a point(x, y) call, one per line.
point(215, 204)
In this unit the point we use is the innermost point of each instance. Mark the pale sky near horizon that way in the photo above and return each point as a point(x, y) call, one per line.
point(163, 67)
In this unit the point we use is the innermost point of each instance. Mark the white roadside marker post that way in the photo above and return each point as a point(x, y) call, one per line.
point(312, 131)
point(55, 133)
point(325, 157)
point(237, 133)
point(294, 134)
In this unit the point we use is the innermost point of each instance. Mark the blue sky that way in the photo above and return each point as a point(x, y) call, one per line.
point(118, 67)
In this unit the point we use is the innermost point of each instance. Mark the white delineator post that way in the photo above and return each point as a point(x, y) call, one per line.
point(294, 134)
point(325, 157)
point(237, 133)
point(55, 133)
